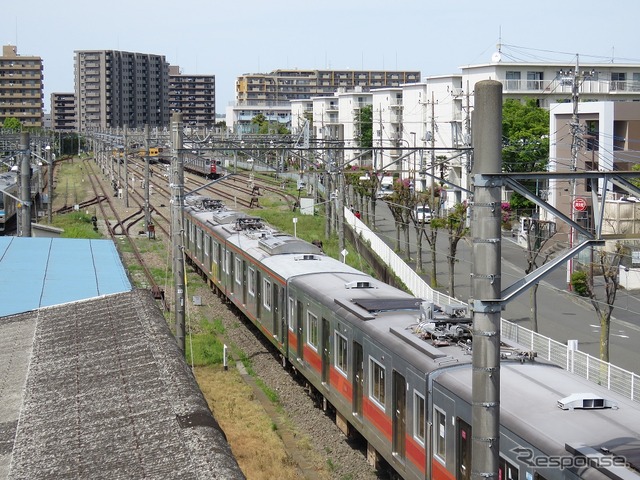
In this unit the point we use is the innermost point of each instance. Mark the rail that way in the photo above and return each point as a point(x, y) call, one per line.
point(580, 363)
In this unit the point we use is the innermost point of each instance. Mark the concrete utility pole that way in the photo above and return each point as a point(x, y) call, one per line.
point(126, 170)
point(50, 157)
point(147, 206)
point(433, 155)
point(486, 280)
point(177, 201)
point(575, 131)
point(25, 187)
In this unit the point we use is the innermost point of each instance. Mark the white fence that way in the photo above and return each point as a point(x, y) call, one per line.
point(593, 369)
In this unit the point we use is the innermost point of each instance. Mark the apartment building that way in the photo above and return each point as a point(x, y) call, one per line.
point(552, 83)
point(194, 96)
point(63, 111)
point(117, 89)
point(608, 139)
point(271, 93)
point(21, 87)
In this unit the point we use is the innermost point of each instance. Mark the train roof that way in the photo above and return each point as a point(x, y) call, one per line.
point(391, 317)
point(8, 180)
point(544, 404)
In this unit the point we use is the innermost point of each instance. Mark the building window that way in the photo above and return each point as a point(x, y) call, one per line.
point(534, 80)
point(440, 434)
point(512, 80)
point(618, 81)
point(376, 382)
point(312, 331)
point(592, 135)
point(419, 406)
point(266, 293)
point(251, 281)
point(341, 354)
point(635, 83)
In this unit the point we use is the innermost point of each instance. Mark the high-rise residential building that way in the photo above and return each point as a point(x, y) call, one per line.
point(63, 111)
point(194, 96)
point(284, 85)
point(269, 94)
point(21, 87)
point(117, 89)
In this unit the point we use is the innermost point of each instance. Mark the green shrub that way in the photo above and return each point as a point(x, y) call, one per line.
point(580, 283)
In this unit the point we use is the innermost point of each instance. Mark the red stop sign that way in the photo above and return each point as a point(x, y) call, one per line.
point(580, 204)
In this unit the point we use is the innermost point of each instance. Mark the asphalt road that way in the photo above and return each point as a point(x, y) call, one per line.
point(562, 315)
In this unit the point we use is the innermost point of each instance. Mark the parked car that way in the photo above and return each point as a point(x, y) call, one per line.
point(423, 214)
point(386, 187)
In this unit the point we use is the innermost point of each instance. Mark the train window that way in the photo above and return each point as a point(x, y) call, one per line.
point(312, 330)
point(214, 257)
point(376, 382)
point(418, 417)
point(238, 271)
point(227, 262)
point(440, 434)
point(199, 239)
point(341, 354)
point(507, 470)
point(266, 293)
point(292, 313)
point(207, 239)
point(251, 281)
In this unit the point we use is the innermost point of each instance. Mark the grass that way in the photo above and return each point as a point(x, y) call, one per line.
point(254, 440)
point(76, 225)
point(205, 347)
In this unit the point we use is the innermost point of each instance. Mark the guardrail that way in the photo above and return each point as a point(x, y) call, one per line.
point(582, 364)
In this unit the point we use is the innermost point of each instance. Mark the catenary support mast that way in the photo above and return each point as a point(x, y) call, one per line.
point(177, 201)
point(486, 281)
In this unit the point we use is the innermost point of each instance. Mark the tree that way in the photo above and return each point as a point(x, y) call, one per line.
point(525, 134)
point(364, 126)
point(456, 224)
point(608, 265)
point(12, 123)
point(538, 234)
point(265, 126)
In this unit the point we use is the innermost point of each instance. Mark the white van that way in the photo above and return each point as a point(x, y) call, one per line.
point(386, 187)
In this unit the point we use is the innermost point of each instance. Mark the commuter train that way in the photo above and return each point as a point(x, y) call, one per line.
point(397, 370)
point(198, 164)
point(8, 192)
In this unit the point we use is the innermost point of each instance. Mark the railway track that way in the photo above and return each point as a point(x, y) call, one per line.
point(108, 211)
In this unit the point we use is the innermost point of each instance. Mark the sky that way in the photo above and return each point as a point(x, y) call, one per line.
point(228, 39)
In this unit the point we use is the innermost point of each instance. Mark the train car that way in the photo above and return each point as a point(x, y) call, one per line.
point(8, 190)
point(397, 370)
point(200, 165)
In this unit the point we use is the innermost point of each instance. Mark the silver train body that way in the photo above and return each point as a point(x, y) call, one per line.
point(8, 190)
point(397, 370)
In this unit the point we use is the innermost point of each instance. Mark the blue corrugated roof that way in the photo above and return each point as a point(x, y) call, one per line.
point(42, 272)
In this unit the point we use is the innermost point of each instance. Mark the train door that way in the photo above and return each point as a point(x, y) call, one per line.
point(463, 450)
point(399, 414)
point(299, 330)
point(358, 379)
point(326, 350)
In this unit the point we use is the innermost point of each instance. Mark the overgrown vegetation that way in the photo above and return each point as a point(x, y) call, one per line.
point(205, 347)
